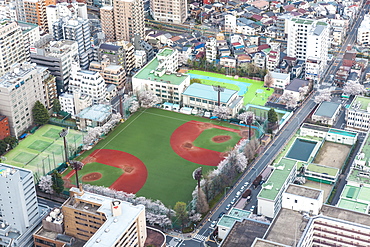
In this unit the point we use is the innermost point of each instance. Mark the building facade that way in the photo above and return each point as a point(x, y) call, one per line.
point(128, 19)
point(169, 11)
point(4, 127)
point(35, 12)
point(358, 113)
point(107, 23)
point(363, 32)
point(112, 74)
point(20, 88)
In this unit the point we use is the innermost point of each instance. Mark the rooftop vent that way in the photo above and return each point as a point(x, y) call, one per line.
point(98, 240)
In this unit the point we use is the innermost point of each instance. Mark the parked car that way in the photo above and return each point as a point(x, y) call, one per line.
point(221, 214)
point(213, 224)
point(233, 201)
point(228, 207)
point(238, 194)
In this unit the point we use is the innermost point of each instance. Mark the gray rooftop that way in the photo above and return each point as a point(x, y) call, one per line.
point(327, 109)
point(279, 76)
point(258, 242)
point(303, 191)
point(318, 30)
point(347, 215)
point(207, 92)
point(295, 84)
point(96, 112)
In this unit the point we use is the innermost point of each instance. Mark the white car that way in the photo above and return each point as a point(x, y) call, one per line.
point(228, 206)
point(242, 188)
point(213, 224)
point(233, 201)
point(246, 184)
point(238, 194)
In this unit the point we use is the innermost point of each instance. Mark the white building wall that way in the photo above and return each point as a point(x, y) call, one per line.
point(266, 207)
point(301, 203)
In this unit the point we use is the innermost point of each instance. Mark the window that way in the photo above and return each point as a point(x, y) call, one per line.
point(295, 201)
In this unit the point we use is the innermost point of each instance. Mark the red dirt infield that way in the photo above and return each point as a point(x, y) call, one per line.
point(93, 176)
point(186, 134)
point(135, 172)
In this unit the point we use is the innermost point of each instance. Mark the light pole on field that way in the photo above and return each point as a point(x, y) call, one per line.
point(64, 134)
point(218, 89)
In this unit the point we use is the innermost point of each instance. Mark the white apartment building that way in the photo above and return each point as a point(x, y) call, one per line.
point(128, 19)
point(64, 9)
point(273, 59)
point(140, 58)
point(58, 57)
point(309, 39)
point(20, 213)
point(169, 11)
point(358, 113)
point(211, 50)
point(8, 11)
point(159, 76)
point(78, 30)
point(20, 88)
point(363, 32)
point(314, 69)
point(230, 23)
point(12, 49)
point(31, 33)
point(74, 102)
point(87, 82)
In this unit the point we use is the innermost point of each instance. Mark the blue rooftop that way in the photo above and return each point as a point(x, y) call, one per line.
point(96, 112)
point(206, 92)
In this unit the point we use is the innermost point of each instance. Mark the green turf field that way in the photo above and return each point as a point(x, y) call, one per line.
point(250, 97)
point(43, 150)
point(146, 134)
point(205, 140)
point(109, 174)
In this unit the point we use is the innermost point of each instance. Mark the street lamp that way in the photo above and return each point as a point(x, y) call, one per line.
point(63, 134)
point(228, 187)
point(218, 89)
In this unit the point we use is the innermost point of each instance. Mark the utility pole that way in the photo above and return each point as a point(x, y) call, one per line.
point(63, 134)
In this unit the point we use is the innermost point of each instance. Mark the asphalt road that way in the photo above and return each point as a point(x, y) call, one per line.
point(49, 203)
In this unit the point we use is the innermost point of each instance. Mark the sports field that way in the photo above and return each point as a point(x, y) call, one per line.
point(43, 150)
point(253, 91)
point(158, 151)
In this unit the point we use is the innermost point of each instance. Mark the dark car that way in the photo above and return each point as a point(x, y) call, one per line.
point(222, 213)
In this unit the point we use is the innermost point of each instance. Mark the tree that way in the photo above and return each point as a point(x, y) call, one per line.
point(40, 114)
point(3, 147)
point(58, 183)
point(272, 116)
point(46, 184)
point(202, 204)
point(324, 95)
point(221, 112)
point(248, 118)
point(56, 106)
point(148, 99)
point(181, 213)
point(353, 88)
point(303, 91)
point(134, 106)
point(76, 165)
point(195, 80)
point(269, 81)
point(290, 100)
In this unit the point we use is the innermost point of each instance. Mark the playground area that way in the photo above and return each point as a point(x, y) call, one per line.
point(332, 154)
point(158, 145)
point(253, 91)
point(43, 151)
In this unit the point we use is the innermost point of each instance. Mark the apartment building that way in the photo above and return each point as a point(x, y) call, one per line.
point(12, 49)
point(358, 113)
point(107, 23)
point(111, 73)
point(35, 12)
point(76, 29)
point(19, 210)
point(309, 40)
point(211, 50)
point(31, 33)
point(20, 88)
point(58, 57)
point(8, 11)
point(128, 19)
point(87, 82)
point(363, 32)
point(122, 53)
point(74, 102)
point(65, 9)
point(169, 11)
point(279, 80)
point(270, 197)
point(159, 76)
point(4, 127)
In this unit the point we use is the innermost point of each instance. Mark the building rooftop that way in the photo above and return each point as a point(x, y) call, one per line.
point(258, 242)
point(360, 103)
point(331, 171)
point(166, 52)
point(327, 109)
point(114, 226)
point(110, 47)
point(97, 113)
point(353, 205)
point(347, 215)
point(295, 84)
point(227, 221)
point(303, 191)
point(270, 189)
point(279, 76)
point(5, 170)
point(207, 92)
point(239, 213)
point(147, 73)
point(243, 233)
point(278, 229)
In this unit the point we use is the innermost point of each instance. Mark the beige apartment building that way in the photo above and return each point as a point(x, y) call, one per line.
point(128, 19)
point(171, 11)
point(112, 74)
point(107, 23)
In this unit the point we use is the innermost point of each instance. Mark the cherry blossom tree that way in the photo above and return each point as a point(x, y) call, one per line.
point(221, 112)
point(248, 118)
point(134, 106)
point(324, 95)
point(353, 88)
point(148, 99)
point(303, 91)
point(195, 217)
point(46, 184)
point(290, 100)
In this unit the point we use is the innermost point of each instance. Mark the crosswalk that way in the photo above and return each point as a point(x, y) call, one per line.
point(199, 237)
